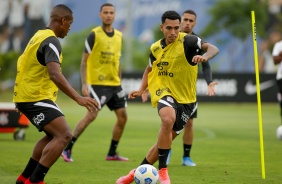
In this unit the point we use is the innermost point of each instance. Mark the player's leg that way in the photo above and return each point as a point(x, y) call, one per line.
point(47, 117)
point(34, 160)
point(82, 125)
point(167, 113)
point(78, 130)
point(188, 136)
point(118, 104)
point(117, 134)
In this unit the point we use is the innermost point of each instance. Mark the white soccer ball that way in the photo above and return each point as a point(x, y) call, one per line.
point(279, 132)
point(146, 174)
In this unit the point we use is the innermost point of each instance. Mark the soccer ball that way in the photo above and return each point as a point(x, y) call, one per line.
point(279, 132)
point(146, 174)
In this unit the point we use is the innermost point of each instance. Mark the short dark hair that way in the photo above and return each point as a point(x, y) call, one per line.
point(190, 12)
point(64, 7)
point(59, 11)
point(172, 15)
point(106, 4)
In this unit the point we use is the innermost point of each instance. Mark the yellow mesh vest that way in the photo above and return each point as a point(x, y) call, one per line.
point(104, 60)
point(33, 82)
point(172, 74)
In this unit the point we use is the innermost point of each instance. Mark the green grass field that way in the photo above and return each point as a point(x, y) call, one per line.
point(226, 147)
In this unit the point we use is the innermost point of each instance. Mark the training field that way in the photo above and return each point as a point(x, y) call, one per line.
point(226, 147)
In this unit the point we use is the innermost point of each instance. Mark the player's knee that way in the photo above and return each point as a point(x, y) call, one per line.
point(167, 123)
point(67, 136)
point(122, 117)
point(122, 120)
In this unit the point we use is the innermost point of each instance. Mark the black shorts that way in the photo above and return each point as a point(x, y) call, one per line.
point(40, 113)
point(183, 111)
point(194, 115)
point(113, 96)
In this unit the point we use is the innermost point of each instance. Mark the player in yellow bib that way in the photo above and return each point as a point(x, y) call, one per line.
point(188, 21)
point(101, 80)
point(36, 87)
point(171, 78)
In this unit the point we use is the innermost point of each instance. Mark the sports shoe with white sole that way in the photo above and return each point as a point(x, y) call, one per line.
point(66, 154)
point(186, 161)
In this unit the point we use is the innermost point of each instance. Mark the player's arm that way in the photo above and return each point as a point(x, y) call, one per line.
point(144, 81)
point(210, 52)
point(119, 70)
point(89, 43)
point(143, 85)
point(193, 43)
point(83, 66)
point(208, 77)
point(51, 52)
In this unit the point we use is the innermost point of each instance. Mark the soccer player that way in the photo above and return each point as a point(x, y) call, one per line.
point(188, 22)
point(101, 80)
point(171, 78)
point(36, 87)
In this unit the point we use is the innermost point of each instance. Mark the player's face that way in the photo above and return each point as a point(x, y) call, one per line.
point(170, 29)
point(107, 15)
point(188, 22)
point(66, 23)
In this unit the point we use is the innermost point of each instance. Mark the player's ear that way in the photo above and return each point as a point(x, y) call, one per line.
point(63, 20)
point(161, 27)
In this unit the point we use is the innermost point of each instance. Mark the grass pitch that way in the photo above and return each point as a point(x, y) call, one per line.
point(226, 146)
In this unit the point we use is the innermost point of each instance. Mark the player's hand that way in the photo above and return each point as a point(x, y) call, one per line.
point(211, 90)
point(199, 59)
point(144, 95)
point(84, 90)
point(134, 94)
point(88, 102)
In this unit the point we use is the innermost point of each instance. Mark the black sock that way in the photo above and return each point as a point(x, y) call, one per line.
point(113, 148)
point(38, 174)
point(187, 148)
point(145, 161)
point(71, 143)
point(163, 154)
point(30, 167)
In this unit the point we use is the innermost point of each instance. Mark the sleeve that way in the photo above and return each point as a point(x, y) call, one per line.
point(207, 72)
point(192, 46)
point(151, 59)
point(49, 51)
point(89, 42)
